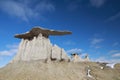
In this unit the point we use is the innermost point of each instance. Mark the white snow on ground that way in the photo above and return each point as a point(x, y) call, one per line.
point(111, 65)
point(88, 73)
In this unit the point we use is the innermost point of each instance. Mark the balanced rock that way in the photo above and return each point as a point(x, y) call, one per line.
point(35, 45)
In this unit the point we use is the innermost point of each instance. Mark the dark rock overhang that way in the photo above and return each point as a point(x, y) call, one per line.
point(45, 32)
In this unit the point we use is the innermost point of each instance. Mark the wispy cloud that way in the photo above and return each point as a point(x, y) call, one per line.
point(104, 59)
point(11, 51)
point(115, 44)
point(100, 59)
point(69, 43)
point(96, 41)
point(8, 52)
point(113, 51)
point(116, 55)
point(97, 3)
point(83, 55)
point(114, 17)
point(24, 9)
point(13, 46)
point(73, 6)
point(75, 50)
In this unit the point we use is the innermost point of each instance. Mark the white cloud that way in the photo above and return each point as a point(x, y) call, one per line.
point(83, 55)
point(73, 6)
point(97, 47)
point(1, 58)
point(97, 3)
point(116, 55)
point(115, 44)
point(114, 61)
point(103, 59)
point(114, 51)
point(12, 50)
point(75, 50)
point(100, 59)
point(114, 17)
point(96, 41)
point(8, 52)
point(25, 9)
point(14, 46)
point(69, 43)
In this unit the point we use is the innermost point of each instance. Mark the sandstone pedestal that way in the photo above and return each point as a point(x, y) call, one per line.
point(35, 45)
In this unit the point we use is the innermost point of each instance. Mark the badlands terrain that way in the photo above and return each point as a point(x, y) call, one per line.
point(38, 59)
point(37, 70)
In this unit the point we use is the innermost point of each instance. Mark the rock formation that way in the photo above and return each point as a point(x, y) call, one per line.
point(58, 53)
point(35, 45)
point(86, 59)
point(77, 58)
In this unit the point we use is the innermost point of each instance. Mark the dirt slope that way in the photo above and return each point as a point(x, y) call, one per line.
point(57, 71)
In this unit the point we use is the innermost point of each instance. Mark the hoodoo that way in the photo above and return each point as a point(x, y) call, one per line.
point(35, 45)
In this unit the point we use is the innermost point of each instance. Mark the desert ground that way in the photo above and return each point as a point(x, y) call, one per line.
point(36, 70)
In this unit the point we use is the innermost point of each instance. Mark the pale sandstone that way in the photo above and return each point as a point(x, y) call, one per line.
point(39, 47)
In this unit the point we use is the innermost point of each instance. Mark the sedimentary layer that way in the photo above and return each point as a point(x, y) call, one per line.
point(39, 48)
point(45, 32)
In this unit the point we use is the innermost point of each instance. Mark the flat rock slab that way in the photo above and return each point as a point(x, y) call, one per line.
point(36, 31)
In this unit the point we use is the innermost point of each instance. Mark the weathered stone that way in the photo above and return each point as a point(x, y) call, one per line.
point(59, 53)
point(77, 58)
point(45, 32)
point(38, 47)
point(56, 52)
point(65, 56)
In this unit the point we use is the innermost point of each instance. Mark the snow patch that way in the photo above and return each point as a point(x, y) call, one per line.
point(111, 65)
point(88, 73)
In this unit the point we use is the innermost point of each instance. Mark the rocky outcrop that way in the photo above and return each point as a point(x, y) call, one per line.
point(86, 59)
point(38, 47)
point(35, 49)
point(77, 58)
point(58, 53)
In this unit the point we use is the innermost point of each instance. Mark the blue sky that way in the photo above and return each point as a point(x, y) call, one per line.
point(95, 26)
